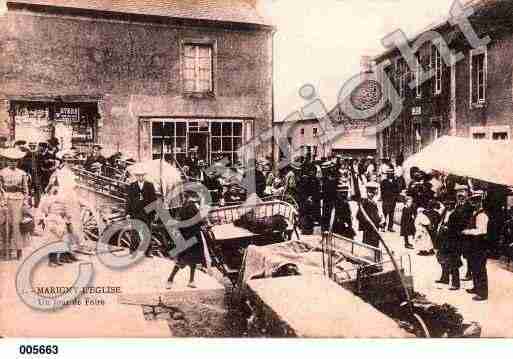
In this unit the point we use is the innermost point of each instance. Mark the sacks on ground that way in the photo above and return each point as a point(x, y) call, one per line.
point(263, 225)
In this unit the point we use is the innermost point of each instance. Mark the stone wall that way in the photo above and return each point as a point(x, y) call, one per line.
point(134, 68)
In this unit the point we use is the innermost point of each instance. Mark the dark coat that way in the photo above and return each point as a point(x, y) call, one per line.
point(390, 190)
point(450, 237)
point(343, 224)
point(408, 221)
point(370, 237)
point(137, 200)
point(194, 254)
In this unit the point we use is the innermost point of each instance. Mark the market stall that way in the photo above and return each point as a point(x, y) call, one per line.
point(485, 160)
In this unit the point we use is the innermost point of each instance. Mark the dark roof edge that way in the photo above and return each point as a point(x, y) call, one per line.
point(130, 17)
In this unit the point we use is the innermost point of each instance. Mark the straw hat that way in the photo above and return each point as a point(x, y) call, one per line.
point(12, 154)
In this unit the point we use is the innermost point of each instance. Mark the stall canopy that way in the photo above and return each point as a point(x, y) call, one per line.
point(486, 160)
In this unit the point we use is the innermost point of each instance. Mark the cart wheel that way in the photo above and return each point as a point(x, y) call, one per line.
point(125, 238)
point(90, 224)
point(421, 329)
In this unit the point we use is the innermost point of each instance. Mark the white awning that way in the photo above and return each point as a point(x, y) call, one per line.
point(486, 160)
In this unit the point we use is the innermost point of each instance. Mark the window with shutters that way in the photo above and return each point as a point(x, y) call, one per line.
point(198, 68)
point(478, 72)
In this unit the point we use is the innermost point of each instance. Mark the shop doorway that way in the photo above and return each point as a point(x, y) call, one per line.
point(201, 141)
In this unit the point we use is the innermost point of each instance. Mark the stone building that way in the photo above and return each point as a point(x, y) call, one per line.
point(137, 76)
point(471, 98)
point(351, 139)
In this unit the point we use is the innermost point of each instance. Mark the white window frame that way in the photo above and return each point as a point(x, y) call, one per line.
point(418, 88)
point(481, 99)
point(197, 43)
point(437, 70)
point(401, 76)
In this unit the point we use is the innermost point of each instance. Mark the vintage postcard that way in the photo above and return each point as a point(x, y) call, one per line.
point(256, 169)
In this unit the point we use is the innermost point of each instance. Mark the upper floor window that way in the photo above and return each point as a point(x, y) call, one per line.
point(416, 80)
point(402, 74)
point(198, 64)
point(302, 131)
point(478, 71)
point(436, 63)
point(314, 131)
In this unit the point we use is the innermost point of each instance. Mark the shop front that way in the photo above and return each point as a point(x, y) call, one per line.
point(210, 138)
point(74, 124)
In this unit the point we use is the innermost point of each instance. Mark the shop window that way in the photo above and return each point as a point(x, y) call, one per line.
point(478, 72)
point(227, 140)
point(198, 68)
point(170, 137)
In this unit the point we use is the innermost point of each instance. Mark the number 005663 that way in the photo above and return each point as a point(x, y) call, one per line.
point(38, 349)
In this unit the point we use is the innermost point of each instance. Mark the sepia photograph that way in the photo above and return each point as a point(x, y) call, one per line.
point(250, 169)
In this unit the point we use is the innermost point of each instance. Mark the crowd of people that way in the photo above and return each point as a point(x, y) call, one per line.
point(37, 181)
point(443, 216)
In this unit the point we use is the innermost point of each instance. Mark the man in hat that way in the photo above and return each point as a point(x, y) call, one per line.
point(140, 194)
point(477, 248)
point(14, 186)
point(373, 218)
point(343, 222)
point(95, 160)
point(465, 211)
point(329, 192)
point(308, 196)
point(449, 244)
point(390, 190)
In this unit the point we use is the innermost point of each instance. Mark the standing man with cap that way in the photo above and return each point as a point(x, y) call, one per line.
point(14, 186)
point(140, 194)
point(390, 190)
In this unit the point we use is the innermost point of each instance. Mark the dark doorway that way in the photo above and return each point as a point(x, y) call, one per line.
point(200, 140)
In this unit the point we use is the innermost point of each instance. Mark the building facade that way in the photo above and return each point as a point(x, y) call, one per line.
point(138, 77)
point(471, 98)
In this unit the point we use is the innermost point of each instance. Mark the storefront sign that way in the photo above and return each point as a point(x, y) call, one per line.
point(68, 115)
